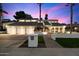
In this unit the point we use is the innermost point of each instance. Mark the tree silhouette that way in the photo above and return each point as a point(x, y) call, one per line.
point(2, 11)
point(1, 15)
point(22, 15)
point(46, 16)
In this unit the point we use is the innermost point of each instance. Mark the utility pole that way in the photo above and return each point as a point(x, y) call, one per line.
point(71, 10)
point(46, 16)
point(1, 15)
point(71, 16)
point(40, 11)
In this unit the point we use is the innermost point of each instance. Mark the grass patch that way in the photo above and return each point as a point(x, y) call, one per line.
point(41, 43)
point(68, 42)
point(40, 39)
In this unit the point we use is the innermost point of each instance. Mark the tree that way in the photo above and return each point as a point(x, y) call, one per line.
point(22, 15)
point(2, 11)
point(1, 15)
point(46, 16)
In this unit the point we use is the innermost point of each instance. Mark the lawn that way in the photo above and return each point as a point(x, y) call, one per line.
point(40, 39)
point(41, 43)
point(68, 42)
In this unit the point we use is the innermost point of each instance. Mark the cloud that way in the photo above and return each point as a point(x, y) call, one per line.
point(52, 9)
point(55, 8)
point(62, 19)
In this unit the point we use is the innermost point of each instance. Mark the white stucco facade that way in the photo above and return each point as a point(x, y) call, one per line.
point(73, 35)
point(57, 29)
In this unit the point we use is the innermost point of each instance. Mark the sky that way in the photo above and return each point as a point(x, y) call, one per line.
point(54, 10)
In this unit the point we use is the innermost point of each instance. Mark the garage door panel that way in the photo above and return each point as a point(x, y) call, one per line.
point(20, 30)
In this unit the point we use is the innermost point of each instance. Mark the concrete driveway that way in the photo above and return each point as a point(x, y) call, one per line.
point(11, 41)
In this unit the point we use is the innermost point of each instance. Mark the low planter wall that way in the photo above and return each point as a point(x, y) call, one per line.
point(54, 36)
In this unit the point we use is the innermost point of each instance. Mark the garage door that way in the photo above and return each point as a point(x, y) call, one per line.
point(11, 30)
point(20, 30)
point(29, 30)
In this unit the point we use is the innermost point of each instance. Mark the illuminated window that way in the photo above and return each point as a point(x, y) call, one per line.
point(21, 20)
point(34, 20)
point(28, 20)
point(75, 28)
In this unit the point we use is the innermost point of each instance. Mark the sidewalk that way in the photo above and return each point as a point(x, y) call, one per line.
point(50, 43)
point(39, 52)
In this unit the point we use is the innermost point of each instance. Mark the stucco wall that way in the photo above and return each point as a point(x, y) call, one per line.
point(54, 31)
point(54, 36)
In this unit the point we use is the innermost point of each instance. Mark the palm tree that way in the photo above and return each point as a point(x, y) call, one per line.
point(71, 15)
point(1, 13)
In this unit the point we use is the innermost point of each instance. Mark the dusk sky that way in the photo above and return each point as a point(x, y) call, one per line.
point(54, 10)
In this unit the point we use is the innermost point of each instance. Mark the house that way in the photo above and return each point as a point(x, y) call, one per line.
point(54, 27)
point(22, 27)
point(75, 28)
point(34, 26)
point(53, 20)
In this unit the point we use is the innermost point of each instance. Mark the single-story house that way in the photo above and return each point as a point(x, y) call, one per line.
point(22, 27)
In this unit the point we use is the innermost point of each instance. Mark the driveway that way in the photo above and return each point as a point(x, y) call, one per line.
point(9, 41)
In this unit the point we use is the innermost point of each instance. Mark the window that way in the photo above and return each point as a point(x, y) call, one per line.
point(32, 37)
point(52, 30)
point(60, 29)
point(56, 30)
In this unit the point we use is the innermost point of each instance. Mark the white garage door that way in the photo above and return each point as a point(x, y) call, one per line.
point(29, 30)
point(11, 30)
point(20, 30)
